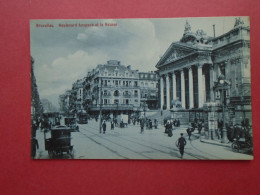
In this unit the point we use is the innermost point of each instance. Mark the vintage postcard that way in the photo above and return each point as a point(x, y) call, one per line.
point(141, 89)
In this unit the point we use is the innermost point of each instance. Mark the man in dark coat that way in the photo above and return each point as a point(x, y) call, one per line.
point(189, 132)
point(34, 147)
point(112, 124)
point(181, 144)
point(142, 125)
point(155, 124)
point(104, 127)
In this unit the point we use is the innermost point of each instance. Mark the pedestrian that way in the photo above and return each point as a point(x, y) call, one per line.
point(220, 127)
point(112, 124)
point(34, 141)
point(155, 123)
point(142, 125)
point(150, 124)
point(189, 132)
point(34, 147)
point(200, 126)
point(104, 127)
point(168, 126)
point(33, 129)
point(178, 123)
point(122, 124)
point(115, 122)
point(181, 144)
point(175, 123)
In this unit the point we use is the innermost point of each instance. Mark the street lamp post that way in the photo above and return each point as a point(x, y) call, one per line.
point(100, 110)
point(224, 130)
point(144, 108)
point(117, 104)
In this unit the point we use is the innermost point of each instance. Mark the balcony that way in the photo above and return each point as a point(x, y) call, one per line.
point(127, 95)
point(112, 107)
point(106, 95)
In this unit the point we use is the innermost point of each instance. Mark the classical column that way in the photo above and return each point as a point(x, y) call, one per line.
point(167, 91)
point(191, 101)
point(211, 80)
point(182, 89)
point(200, 86)
point(162, 95)
point(173, 86)
point(203, 88)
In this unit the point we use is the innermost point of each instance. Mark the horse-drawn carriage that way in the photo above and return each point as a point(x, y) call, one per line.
point(241, 137)
point(57, 141)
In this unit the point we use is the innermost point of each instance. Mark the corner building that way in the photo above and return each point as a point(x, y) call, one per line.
point(120, 90)
point(191, 68)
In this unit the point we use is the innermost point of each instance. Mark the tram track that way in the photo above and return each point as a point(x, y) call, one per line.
point(120, 145)
point(144, 145)
point(195, 148)
point(197, 156)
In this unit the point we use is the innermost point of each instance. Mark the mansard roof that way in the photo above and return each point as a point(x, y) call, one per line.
point(112, 67)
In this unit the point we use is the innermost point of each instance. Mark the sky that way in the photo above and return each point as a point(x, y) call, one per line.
point(63, 55)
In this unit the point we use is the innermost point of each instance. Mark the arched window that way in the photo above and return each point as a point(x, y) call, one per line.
point(116, 93)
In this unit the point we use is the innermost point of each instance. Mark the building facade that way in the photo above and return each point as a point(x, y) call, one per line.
point(191, 69)
point(115, 88)
point(148, 83)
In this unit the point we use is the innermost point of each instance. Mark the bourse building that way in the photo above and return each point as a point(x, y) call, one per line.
point(191, 69)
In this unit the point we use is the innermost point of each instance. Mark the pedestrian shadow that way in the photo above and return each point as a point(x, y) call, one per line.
point(175, 154)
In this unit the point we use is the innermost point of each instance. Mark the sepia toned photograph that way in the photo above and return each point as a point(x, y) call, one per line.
point(148, 89)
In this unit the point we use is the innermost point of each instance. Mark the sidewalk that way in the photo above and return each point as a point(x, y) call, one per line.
point(215, 142)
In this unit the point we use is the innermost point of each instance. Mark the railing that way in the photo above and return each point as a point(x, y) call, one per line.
point(112, 106)
point(127, 95)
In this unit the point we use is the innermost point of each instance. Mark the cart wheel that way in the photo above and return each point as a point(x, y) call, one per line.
point(51, 154)
point(235, 147)
point(71, 153)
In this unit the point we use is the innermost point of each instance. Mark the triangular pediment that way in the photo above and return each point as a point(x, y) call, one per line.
point(175, 52)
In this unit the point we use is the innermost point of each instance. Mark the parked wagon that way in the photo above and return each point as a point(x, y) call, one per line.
point(58, 141)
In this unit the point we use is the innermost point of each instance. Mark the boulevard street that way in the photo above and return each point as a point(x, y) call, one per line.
point(129, 143)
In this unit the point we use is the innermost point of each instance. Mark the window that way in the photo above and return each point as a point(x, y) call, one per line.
point(116, 93)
